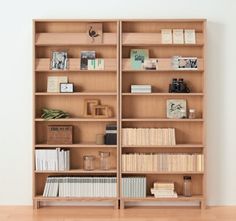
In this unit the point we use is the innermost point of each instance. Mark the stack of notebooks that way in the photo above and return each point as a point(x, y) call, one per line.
point(148, 136)
point(141, 89)
point(141, 162)
point(53, 159)
point(164, 190)
point(80, 187)
point(134, 187)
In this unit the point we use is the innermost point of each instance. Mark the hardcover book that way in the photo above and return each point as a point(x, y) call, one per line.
point(96, 64)
point(137, 57)
point(178, 36)
point(166, 36)
point(84, 57)
point(189, 36)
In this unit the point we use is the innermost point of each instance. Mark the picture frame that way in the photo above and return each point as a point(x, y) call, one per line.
point(66, 87)
point(59, 60)
point(88, 106)
point(94, 33)
point(176, 108)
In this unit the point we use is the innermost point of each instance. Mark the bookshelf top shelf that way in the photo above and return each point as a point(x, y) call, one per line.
point(145, 39)
point(72, 39)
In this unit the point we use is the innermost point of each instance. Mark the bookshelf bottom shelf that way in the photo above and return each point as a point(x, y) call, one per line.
point(38, 199)
point(196, 198)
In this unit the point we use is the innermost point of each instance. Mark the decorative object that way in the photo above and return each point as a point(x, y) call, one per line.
point(59, 134)
point(102, 111)
point(88, 104)
point(137, 57)
point(48, 114)
point(178, 86)
point(111, 134)
point(66, 87)
point(96, 64)
point(166, 36)
point(104, 160)
point(150, 64)
point(174, 108)
point(53, 83)
point(84, 57)
point(59, 60)
point(187, 187)
point(178, 36)
point(94, 33)
point(192, 114)
point(189, 36)
point(89, 162)
point(99, 139)
point(141, 88)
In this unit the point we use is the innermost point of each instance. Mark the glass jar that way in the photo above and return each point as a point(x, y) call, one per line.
point(104, 160)
point(182, 114)
point(192, 113)
point(187, 188)
point(89, 162)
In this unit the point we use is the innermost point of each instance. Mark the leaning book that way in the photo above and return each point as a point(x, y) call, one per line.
point(137, 57)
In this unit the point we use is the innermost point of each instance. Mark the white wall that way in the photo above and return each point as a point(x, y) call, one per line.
point(16, 82)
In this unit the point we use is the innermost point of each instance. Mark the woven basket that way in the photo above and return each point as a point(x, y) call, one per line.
point(59, 134)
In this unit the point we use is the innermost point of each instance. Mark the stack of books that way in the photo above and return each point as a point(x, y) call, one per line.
point(80, 187)
point(134, 187)
point(141, 88)
point(53, 159)
point(148, 162)
point(164, 190)
point(148, 136)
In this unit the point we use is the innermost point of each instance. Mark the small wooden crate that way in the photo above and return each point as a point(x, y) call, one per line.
point(59, 134)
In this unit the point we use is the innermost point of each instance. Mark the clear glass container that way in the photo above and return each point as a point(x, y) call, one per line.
point(192, 114)
point(104, 160)
point(187, 187)
point(89, 162)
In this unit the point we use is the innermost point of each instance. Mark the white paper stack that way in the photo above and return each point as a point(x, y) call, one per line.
point(141, 88)
point(164, 190)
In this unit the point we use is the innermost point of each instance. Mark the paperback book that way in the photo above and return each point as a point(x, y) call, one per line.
point(84, 57)
point(137, 57)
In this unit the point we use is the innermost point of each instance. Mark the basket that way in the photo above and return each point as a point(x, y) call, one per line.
point(59, 134)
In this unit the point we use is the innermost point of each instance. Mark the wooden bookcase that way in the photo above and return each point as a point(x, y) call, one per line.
point(149, 110)
point(112, 87)
point(70, 35)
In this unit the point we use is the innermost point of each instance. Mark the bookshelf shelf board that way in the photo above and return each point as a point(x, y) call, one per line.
point(154, 39)
point(164, 64)
point(165, 146)
point(43, 64)
point(155, 172)
point(86, 145)
point(164, 71)
point(152, 198)
point(76, 71)
point(77, 94)
point(77, 120)
point(78, 171)
point(161, 120)
point(42, 198)
point(163, 94)
point(72, 39)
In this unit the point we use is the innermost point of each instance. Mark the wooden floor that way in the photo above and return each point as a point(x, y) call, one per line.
point(20, 213)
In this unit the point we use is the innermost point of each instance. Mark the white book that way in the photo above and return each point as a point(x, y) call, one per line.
point(166, 36)
point(189, 36)
point(178, 36)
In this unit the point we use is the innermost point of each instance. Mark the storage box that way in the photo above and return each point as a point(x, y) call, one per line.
point(59, 134)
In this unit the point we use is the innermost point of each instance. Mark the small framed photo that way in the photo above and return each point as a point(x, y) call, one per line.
point(59, 60)
point(66, 88)
point(176, 108)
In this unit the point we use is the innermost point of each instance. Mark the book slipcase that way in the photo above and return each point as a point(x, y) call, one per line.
point(134, 111)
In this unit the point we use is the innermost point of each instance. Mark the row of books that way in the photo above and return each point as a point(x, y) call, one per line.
point(142, 162)
point(164, 190)
point(141, 88)
point(134, 187)
point(148, 136)
point(52, 159)
point(80, 187)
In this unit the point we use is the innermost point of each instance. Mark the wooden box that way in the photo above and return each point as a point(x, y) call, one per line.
point(59, 134)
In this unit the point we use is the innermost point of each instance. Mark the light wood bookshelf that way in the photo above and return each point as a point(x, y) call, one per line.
point(70, 35)
point(112, 87)
point(149, 109)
